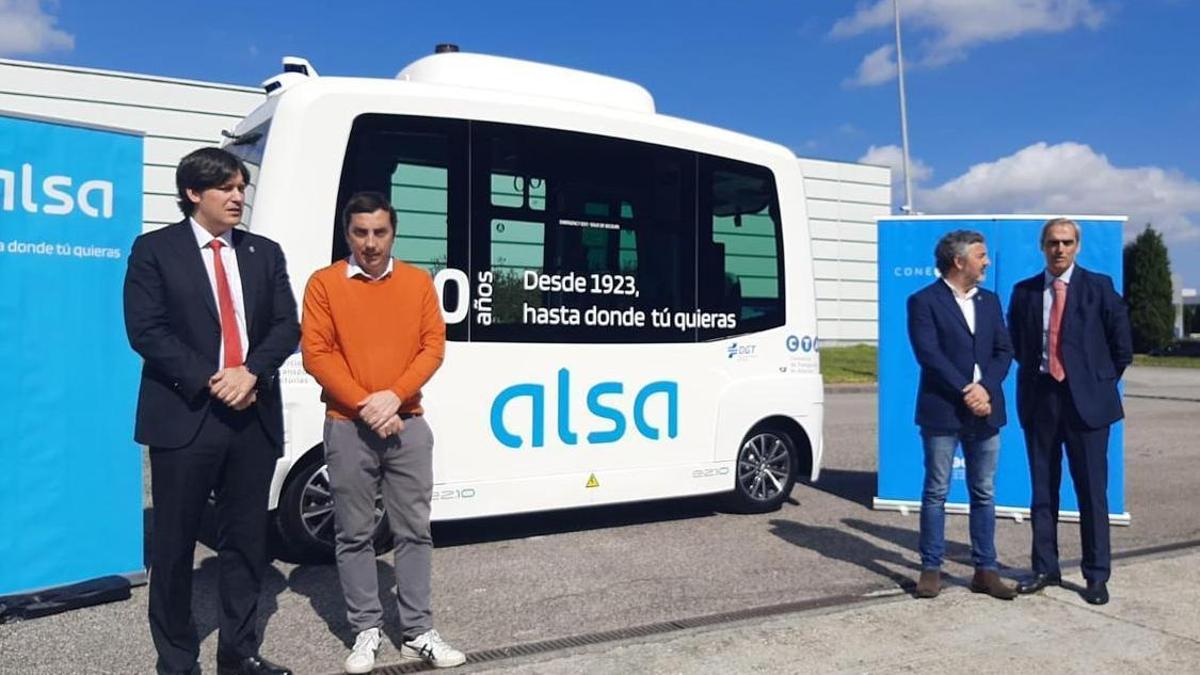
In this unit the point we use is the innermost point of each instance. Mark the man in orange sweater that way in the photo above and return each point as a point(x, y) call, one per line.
point(372, 334)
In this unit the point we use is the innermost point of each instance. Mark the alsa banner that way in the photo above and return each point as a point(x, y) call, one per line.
point(70, 207)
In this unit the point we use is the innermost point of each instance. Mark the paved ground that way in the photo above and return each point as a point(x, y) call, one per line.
point(1181, 383)
point(507, 581)
point(1152, 625)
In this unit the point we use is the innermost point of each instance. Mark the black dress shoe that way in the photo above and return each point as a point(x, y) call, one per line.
point(251, 665)
point(1096, 593)
point(1037, 582)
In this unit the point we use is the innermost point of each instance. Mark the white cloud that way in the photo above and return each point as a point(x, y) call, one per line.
point(26, 29)
point(876, 68)
point(1072, 178)
point(946, 30)
point(892, 156)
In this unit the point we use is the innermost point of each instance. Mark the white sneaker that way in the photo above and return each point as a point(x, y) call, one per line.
point(362, 657)
point(432, 649)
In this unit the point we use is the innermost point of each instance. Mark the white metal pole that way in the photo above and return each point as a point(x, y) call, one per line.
point(908, 193)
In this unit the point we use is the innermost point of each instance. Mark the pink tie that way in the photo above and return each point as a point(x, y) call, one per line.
point(230, 336)
point(1055, 338)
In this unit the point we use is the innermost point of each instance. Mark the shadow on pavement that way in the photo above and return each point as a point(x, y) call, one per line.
point(319, 583)
point(907, 539)
point(853, 486)
point(839, 544)
point(500, 528)
point(206, 600)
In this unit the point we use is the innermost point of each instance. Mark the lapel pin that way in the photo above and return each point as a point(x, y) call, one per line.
point(252, 248)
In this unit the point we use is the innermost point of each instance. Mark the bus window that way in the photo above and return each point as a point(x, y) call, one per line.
point(419, 195)
point(740, 251)
point(420, 165)
point(581, 238)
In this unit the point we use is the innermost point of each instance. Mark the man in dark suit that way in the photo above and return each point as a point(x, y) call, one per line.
point(210, 310)
point(957, 333)
point(1070, 332)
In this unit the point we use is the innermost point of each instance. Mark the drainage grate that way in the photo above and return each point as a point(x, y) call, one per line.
point(647, 630)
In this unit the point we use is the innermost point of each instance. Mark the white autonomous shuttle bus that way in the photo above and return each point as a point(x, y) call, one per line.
point(628, 296)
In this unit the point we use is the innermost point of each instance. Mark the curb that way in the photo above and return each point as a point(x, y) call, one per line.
point(852, 388)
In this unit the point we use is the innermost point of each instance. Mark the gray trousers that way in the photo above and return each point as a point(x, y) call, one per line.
point(361, 465)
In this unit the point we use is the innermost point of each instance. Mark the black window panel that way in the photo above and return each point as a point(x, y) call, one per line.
point(420, 164)
point(614, 215)
point(740, 248)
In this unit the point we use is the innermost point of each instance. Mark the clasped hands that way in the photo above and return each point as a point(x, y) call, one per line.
point(234, 387)
point(379, 411)
point(977, 399)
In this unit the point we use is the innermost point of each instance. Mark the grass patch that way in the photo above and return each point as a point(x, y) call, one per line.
point(1155, 361)
point(855, 364)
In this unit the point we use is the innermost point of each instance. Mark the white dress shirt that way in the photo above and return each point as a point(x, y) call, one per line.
point(233, 275)
point(353, 269)
point(966, 303)
point(1047, 305)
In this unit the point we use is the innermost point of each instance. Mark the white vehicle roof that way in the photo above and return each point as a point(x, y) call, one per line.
point(492, 88)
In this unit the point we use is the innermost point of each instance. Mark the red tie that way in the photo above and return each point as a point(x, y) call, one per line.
point(1055, 338)
point(229, 328)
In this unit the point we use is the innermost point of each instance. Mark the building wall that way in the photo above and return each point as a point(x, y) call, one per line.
point(844, 200)
point(178, 116)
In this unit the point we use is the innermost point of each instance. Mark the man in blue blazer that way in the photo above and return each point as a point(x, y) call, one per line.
point(957, 333)
point(1070, 331)
point(210, 310)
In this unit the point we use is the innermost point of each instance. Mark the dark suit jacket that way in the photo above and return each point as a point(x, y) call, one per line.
point(172, 321)
point(947, 352)
point(1096, 344)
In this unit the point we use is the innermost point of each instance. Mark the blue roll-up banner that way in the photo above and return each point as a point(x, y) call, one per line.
point(906, 264)
point(70, 207)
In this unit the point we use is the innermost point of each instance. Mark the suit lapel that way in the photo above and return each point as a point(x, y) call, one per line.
point(1075, 292)
point(983, 320)
point(946, 296)
point(193, 265)
point(248, 261)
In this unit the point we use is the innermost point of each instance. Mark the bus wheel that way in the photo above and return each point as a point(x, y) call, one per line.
point(304, 519)
point(766, 471)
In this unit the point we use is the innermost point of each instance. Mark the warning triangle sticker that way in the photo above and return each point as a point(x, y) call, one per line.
point(592, 482)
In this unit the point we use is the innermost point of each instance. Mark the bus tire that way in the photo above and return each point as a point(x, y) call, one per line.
point(304, 517)
point(765, 470)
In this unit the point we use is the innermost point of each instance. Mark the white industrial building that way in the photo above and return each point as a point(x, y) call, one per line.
point(177, 116)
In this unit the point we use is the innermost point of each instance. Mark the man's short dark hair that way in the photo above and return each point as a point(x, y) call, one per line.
point(954, 245)
point(205, 168)
point(367, 202)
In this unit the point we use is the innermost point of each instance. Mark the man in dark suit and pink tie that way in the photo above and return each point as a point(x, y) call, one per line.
point(210, 310)
point(1071, 336)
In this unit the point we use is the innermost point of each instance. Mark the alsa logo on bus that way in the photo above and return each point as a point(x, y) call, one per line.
point(58, 190)
point(536, 393)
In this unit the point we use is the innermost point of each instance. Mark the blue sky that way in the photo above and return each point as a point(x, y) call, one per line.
point(1036, 106)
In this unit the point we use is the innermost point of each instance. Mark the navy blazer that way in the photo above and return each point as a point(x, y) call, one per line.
point(947, 352)
point(172, 321)
point(1096, 344)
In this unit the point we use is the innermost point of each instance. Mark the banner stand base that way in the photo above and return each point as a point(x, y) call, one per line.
point(47, 601)
point(1018, 514)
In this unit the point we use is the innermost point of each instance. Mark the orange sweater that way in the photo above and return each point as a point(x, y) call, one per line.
point(360, 336)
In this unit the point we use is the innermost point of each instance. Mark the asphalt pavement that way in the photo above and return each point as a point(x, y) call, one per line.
point(692, 581)
point(1151, 625)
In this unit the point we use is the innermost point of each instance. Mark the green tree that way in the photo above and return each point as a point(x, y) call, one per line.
point(1148, 291)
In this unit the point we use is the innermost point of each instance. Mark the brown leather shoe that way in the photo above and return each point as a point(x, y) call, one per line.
point(930, 584)
point(988, 581)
